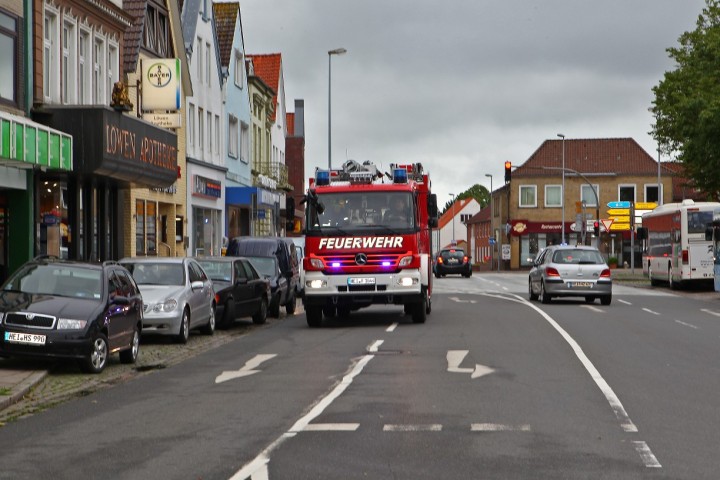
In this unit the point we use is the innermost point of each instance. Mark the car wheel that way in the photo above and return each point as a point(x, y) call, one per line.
point(260, 316)
point(314, 316)
point(437, 275)
point(329, 312)
point(545, 297)
point(533, 296)
point(184, 333)
point(97, 358)
point(274, 310)
point(209, 327)
point(606, 300)
point(130, 355)
point(290, 306)
point(228, 313)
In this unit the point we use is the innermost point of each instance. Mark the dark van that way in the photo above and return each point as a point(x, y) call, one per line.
point(276, 260)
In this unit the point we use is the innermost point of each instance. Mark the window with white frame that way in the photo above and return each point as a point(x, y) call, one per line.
point(191, 126)
point(528, 196)
point(553, 195)
point(207, 63)
point(156, 34)
point(217, 134)
point(201, 131)
point(208, 125)
point(626, 193)
point(244, 142)
point(652, 193)
point(51, 64)
point(99, 70)
point(587, 195)
point(113, 66)
point(9, 47)
point(199, 61)
point(84, 67)
point(69, 58)
point(239, 69)
point(233, 136)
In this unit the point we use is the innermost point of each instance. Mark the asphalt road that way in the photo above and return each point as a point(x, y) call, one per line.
point(492, 386)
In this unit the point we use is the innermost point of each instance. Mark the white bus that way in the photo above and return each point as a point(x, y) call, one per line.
point(676, 249)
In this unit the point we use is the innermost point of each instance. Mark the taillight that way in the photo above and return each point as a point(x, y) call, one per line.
point(685, 256)
point(465, 259)
point(217, 299)
point(552, 272)
point(605, 273)
point(440, 260)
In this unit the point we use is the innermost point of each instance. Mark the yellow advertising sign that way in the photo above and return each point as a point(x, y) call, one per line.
point(618, 211)
point(619, 227)
point(645, 205)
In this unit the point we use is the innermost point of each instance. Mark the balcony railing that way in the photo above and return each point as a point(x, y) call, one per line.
point(274, 170)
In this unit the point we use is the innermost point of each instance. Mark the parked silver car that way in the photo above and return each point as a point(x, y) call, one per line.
point(177, 293)
point(567, 271)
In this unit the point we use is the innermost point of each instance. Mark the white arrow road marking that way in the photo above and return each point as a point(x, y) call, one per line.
point(246, 370)
point(710, 312)
point(646, 455)
point(456, 299)
point(455, 358)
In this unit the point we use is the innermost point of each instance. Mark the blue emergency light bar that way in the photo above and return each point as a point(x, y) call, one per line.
point(400, 175)
point(322, 177)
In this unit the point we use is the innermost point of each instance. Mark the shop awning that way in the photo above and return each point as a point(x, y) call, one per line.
point(33, 144)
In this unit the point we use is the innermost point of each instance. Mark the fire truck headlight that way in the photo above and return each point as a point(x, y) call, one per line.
point(315, 284)
point(407, 281)
point(317, 263)
point(405, 261)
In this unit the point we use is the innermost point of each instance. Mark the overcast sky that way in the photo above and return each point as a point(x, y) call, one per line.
point(463, 85)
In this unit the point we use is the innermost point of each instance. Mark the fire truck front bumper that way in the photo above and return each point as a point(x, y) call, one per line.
point(400, 288)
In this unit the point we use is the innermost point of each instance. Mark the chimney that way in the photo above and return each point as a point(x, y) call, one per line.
point(300, 118)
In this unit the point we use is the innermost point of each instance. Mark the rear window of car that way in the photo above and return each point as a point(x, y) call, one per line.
point(579, 256)
point(454, 253)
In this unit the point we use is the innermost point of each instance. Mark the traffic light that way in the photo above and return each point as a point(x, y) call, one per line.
point(508, 172)
point(596, 228)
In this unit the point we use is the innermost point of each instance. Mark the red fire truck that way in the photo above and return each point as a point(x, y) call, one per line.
point(367, 240)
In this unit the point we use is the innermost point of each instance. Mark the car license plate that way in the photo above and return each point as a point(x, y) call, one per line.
point(580, 285)
point(26, 338)
point(361, 281)
point(452, 260)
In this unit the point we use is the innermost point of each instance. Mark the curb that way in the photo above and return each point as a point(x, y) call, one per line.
point(20, 389)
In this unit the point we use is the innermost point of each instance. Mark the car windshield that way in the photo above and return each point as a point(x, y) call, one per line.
point(453, 253)
point(217, 270)
point(351, 212)
point(59, 280)
point(148, 273)
point(578, 256)
point(266, 266)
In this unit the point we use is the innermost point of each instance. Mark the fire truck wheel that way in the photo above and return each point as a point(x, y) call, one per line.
point(408, 307)
point(329, 312)
point(343, 312)
point(419, 313)
point(314, 316)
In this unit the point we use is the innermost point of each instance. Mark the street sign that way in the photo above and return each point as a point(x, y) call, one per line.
point(619, 227)
point(619, 204)
point(506, 251)
point(607, 224)
point(491, 240)
point(620, 218)
point(645, 205)
point(618, 211)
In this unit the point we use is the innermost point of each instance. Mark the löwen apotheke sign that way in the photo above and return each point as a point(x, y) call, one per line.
point(119, 146)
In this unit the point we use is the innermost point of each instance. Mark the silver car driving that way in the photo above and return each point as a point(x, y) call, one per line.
point(570, 271)
point(177, 293)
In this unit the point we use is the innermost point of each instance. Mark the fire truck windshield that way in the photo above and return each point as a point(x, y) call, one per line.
point(351, 212)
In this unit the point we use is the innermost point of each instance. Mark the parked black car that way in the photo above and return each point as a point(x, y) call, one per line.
point(56, 308)
point(240, 291)
point(452, 261)
point(275, 259)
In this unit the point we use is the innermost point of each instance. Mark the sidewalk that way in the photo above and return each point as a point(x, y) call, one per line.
point(17, 377)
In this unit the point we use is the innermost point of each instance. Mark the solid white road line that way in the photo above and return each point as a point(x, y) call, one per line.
point(624, 301)
point(650, 311)
point(594, 309)
point(710, 312)
point(498, 427)
point(392, 327)
point(686, 324)
point(646, 455)
point(374, 347)
point(615, 403)
point(434, 427)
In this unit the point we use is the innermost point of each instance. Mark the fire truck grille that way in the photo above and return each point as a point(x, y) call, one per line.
point(362, 288)
point(370, 262)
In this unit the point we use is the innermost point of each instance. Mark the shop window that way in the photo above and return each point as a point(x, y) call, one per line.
point(139, 227)
point(145, 227)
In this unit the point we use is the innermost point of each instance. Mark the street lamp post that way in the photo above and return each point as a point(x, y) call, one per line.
point(492, 247)
point(337, 51)
point(453, 219)
point(563, 188)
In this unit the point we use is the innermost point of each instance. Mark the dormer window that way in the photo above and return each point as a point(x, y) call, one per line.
point(156, 35)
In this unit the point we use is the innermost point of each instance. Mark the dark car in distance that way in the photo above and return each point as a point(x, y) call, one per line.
point(452, 261)
point(240, 291)
point(53, 308)
point(274, 258)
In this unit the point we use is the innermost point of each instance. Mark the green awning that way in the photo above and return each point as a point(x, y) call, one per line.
point(25, 141)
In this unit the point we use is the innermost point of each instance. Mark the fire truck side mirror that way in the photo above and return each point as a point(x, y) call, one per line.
point(432, 211)
point(642, 233)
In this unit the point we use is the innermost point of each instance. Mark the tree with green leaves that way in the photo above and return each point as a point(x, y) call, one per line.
point(687, 102)
point(477, 191)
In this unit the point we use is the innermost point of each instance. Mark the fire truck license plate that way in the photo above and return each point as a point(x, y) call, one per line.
point(361, 281)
